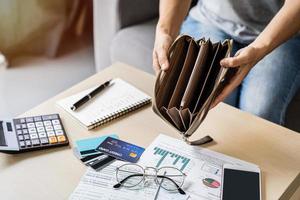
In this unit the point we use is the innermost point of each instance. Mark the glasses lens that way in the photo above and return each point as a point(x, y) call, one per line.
point(174, 178)
point(130, 175)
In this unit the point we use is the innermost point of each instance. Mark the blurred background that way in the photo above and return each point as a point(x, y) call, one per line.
point(48, 46)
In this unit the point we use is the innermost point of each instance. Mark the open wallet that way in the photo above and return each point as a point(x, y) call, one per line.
point(184, 93)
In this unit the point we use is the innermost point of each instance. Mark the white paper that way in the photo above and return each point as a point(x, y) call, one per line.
point(199, 164)
point(99, 186)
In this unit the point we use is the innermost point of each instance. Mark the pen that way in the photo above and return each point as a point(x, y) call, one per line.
point(89, 96)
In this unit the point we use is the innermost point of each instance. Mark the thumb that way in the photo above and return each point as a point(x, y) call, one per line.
point(239, 59)
point(163, 60)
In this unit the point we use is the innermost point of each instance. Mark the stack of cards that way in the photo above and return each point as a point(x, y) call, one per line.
point(87, 153)
point(98, 152)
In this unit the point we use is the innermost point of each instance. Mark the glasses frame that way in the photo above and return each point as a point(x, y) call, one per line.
point(145, 175)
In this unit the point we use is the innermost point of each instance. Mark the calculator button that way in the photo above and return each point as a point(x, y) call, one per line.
point(25, 131)
point(49, 128)
point(42, 134)
point(33, 136)
point(19, 132)
point(55, 122)
point(44, 141)
point(24, 126)
point(30, 125)
point(53, 116)
point(21, 137)
point(26, 137)
point(52, 140)
point(57, 127)
point(61, 138)
point(18, 126)
point(47, 123)
point(22, 120)
point(50, 133)
point(22, 144)
point(29, 119)
point(46, 117)
point(38, 124)
point(37, 119)
point(32, 130)
point(28, 143)
point(40, 129)
point(35, 142)
point(59, 132)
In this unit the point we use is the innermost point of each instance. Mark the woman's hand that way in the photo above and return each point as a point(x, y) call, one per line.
point(160, 52)
point(245, 59)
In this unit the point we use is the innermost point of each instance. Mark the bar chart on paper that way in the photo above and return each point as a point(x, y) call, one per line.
point(167, 158)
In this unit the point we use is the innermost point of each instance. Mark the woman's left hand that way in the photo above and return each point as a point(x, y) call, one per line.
point(245, 59)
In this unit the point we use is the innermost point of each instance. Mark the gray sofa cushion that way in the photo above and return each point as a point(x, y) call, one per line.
point(136, 11)
point(133, 45)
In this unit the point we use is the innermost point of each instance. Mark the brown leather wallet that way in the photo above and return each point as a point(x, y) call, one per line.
point(184, 93)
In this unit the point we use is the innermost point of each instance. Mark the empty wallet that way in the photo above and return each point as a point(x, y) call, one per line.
point(184, 93)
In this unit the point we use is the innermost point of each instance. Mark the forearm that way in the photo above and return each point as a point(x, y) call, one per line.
point(171, 15)
point(283, 26)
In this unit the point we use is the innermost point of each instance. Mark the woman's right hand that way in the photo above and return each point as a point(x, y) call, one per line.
point(162, 44)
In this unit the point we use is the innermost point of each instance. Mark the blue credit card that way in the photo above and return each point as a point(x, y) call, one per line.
point(121, 150)
point(88, 146)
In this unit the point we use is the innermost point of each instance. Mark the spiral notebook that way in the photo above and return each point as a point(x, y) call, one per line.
point(116, 100)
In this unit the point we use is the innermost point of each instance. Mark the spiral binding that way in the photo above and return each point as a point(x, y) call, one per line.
point(119, 113)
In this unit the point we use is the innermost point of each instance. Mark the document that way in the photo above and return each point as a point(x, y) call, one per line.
point(99, 186)
point(203, 168)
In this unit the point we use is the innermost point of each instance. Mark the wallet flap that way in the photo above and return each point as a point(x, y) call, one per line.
point(201, 98)
point(176, 118)
point(167, 84)
point(165, 115)
point(186, 117)
point(193, 84)
point(184, 75)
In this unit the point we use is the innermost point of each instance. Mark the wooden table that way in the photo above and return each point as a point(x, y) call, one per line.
point(53, 174)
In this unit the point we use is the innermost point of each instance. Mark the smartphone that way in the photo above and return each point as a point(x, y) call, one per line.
point(241, 183)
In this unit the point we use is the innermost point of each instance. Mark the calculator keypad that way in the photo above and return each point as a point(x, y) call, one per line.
point(40, 131)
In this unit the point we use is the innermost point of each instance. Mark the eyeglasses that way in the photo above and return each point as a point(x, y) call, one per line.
point(131, 175)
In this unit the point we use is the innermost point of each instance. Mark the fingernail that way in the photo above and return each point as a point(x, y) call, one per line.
point(164, 66)
point(223, 63)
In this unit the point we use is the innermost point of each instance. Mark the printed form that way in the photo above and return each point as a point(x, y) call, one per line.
point(203, 168)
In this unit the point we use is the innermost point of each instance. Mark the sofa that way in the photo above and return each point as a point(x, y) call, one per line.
point(124, 30)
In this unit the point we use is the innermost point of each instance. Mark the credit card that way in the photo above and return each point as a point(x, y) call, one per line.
point(101, 162)
point(90, 157)
point(88, 146)
point(121, 150)
point(97, 161)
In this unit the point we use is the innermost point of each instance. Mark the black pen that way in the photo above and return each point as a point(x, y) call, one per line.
point(89, 96)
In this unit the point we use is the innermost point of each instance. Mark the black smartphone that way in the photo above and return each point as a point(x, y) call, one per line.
point(241, 183)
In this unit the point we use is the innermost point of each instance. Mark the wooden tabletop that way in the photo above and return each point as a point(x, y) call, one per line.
point(54, 173)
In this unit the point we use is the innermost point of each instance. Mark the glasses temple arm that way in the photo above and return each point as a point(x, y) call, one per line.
point(177, 186)
point(125, 179)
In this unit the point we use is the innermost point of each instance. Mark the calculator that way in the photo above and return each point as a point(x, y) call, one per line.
point(32, 133)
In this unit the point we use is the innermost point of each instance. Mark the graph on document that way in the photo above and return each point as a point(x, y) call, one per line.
point(168, 158)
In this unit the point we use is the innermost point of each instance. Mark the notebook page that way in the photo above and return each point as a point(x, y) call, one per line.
point(117, 97)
